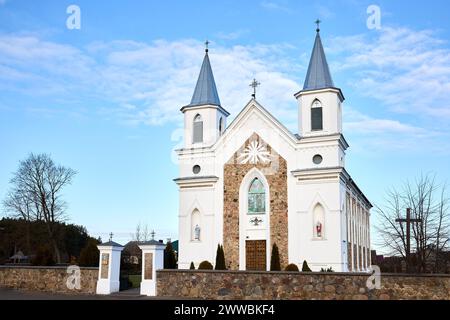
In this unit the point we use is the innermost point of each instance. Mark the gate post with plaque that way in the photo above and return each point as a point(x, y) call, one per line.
point(152, 260)
point(109, 267)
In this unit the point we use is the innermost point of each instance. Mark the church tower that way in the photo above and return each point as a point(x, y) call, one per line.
point(204, 118)
point(320, 102)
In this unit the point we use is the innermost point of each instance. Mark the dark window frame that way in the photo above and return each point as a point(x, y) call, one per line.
point(316, 117)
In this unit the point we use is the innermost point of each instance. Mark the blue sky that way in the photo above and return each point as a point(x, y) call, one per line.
point(105, 99)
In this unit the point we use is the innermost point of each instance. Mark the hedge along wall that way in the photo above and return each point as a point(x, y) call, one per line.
point(297, 285)
point(51, 279)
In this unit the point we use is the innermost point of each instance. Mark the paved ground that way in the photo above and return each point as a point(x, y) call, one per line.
point(12, 294)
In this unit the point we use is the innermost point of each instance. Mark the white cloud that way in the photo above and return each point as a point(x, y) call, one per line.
point(277, 6)
point(324, 11)
point(371, 133)
point(147, 82)
point(360, 123)
point(232, 35)
point(407, 70)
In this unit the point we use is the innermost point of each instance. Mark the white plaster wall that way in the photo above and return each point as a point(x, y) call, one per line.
point(190, 250)
point(303, 246)
point(332, 112)
point(301, 197)
point(210, 116)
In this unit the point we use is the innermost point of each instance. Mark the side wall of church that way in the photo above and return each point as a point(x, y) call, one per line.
point(324, 251)
point(357, 214)
point(200, 206)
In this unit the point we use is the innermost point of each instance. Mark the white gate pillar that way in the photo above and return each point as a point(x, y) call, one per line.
point(109, 268)
point(152, 260)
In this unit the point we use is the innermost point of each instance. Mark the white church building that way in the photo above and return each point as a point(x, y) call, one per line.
point(253, 183)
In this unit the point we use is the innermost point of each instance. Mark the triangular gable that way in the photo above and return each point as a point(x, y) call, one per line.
point(254, 107)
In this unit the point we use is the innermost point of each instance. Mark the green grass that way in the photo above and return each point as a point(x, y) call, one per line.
point(135, 280)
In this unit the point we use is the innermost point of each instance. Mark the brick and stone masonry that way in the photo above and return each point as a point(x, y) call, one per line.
point(234, 172)
point(50, 279)
point(298, 285)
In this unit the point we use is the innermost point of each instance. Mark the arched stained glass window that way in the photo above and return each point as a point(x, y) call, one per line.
point(256, 198)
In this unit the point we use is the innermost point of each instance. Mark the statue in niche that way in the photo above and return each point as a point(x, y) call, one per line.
point(319, 229)
point(197, 233)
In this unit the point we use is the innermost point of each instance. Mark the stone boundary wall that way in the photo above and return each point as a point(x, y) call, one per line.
point(299, 285)
point(51, 279)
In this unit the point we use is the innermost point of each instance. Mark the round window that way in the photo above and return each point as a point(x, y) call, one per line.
point(196, 169)
point(317, 159)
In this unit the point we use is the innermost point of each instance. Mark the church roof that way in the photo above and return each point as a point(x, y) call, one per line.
point(110, 244)
point(318, 75)
point(205, 90)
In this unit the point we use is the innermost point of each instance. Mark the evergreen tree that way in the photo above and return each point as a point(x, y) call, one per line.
point(305, 267)
point(170, 262)
point(220, 258)
point(292, 268)
point(89, 255)
point(205, 265)
point(192, 267)
point(275, 259)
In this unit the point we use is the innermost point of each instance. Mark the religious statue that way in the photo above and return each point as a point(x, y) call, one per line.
point(197, 233)
point(319, 229)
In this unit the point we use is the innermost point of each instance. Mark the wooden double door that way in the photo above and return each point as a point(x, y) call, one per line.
point(255, 255)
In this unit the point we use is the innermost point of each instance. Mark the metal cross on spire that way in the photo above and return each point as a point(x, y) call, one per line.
point(254, 85)
point(206, 45)
point(318, 25)
point(110, 236)
point(153, 234)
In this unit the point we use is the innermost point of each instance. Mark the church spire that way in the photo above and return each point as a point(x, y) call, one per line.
point(318, 75)
point(205, 90)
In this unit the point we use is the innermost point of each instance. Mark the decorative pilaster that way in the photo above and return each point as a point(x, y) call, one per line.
point(109, 268)
point(152, 260)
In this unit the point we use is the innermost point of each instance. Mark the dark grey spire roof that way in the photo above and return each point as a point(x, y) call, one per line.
point(318, 76)
point(205, 90)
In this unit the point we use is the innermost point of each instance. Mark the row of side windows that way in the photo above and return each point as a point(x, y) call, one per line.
point(198, 128)
point(256, 197)
point(318, 216)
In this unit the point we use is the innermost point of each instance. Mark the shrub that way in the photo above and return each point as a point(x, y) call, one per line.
point(305, 267)
point(192, 267)
point(170, 262)
point(275, 259)
point(330, 269)
point(292, 267)
point(205, 265)
point(43, 257)
point(220, 258)
point(89, 255)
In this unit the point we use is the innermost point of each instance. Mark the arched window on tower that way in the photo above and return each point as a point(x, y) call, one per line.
point(319, 221)
point(256, 197)
point(198, 129)
point(196, 227)
point(316, 116)
point(221, 126)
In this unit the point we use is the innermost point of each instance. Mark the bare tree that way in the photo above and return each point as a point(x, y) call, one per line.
point(137, 234)
point(36, 193)
point(145, 234)
point(141, 234)
point(430, 237)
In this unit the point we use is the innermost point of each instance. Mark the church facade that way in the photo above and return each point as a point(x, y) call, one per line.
point(253, 183)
